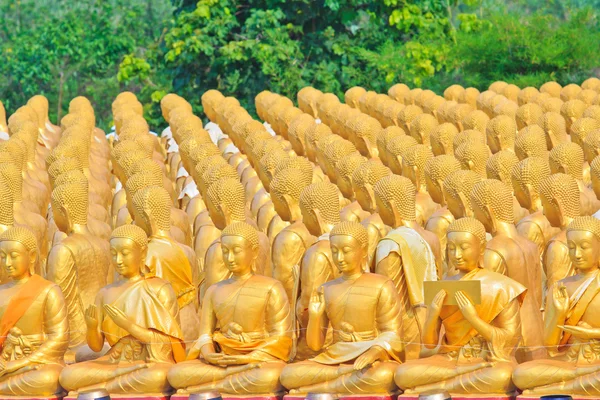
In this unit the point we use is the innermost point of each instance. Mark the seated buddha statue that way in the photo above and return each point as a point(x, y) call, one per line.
point(34, 333)
point(526, 177)
point(249, 351)
point(571, 323)
point(137, 316)
point(79, 263)
point(436, 171)
point(167, 259)
point(595, 178)
point(511, 254)
point(561, 204)
point(366, 346)
point(476, 355)
point(531, 142)
point(408, 254)
point(442, 138)
point(345, 169)
point(501, 132)
point(290, 243)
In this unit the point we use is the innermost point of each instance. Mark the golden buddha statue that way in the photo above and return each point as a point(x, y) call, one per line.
point(79, 263)
point(552, 88)
point(168, 259)
point(568, 158)
point(137, 316)
point(421, 128)
point(34, 168)
point(34, 334)
point(527, 95)
point(526, 177)
point(595, 181)
point(334, 152)
point(432, 105)
point(476, 355)
point(442, 139)
point(408, 115)
point(571, 110)
point(413, 167)
point(554, 126)
point(320, 209)
point(528, 114)
point(383, 137)
point(511, 254)
point(581, 127)
point(467, 137)
point(290, 242)
point(531, 142)
point(395, 147)
point(398, 91)
point(560, 201)
point(436, 170)
point(469, 96)
point(254, 341)
point(499, 166)
point(22, 209)
point(308, 98)
point(408, 254)
point(473, 156)
point(353, 95)
point(3, 124)
point(196, 205)
point(500, 133)
point(344, 170)
point(226, 204)
point(571, 323)
point(363, 133)
point(366, 346)
point(551, 105)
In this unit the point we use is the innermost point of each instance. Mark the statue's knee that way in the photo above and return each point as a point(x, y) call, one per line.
point(401, 376)
point(384, 372)
point(288, 377)
point(521, 377)
point(66, 378)
point(47, 377)
point(174, 376)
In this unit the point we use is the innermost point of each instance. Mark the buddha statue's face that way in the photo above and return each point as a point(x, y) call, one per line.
point(523, 196)
point(15, 259)
point(365, 197)
point(494, 143)
point(552, 213)
point(348, 255)
point(385, 212)
point(464, 250)
point(310, 220)
point(238, 254)
point(127, 256)
point(344, 183)
point(60, 219)
point(590, 153)
point(434, 189)
point(484, 217)
point(411, 172)
point(584, 250)
point(456, 207)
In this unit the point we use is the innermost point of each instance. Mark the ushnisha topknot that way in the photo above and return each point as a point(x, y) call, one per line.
point(352, 229)
point(500, 165)
point(288, 182)
point(370, 173)
point(154, 203)
point(496, 195)
point(469, 225)
point(132, 232)
point(530, 171)
point(460, 182)
point(585, 223)
point(74, 198)
point(229, 192)
point(242, 229)
point(22, 235)
point(567, 157)
point(531, 142)
point(322, 196)
point(439, 167)
point(401, 191)
point(562, 189)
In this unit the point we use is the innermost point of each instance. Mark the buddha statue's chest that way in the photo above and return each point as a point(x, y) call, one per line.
point(247, 308)
point(352, 307)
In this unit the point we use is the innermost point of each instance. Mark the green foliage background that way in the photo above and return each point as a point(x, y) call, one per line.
point(97, 48)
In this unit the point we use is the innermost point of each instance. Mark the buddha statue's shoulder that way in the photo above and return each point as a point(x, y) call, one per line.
point(560, 237)
point(265, 282)
point(441, 214)
point(494, 281)
point(160, 286)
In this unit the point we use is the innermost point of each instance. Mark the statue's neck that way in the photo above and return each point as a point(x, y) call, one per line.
point(408, 224)
point(326, 228)
point(81, 229)
point(243, 276)
point(536, 205)
point(505, 228)
point(161, 233)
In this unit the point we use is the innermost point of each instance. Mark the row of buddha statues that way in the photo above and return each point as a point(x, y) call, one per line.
point(291, 253)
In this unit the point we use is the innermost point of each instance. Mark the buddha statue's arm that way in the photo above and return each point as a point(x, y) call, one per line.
point(278, 316)
point(557, 263)
point(93, 316)
point(318, 321)
point(208, 323)
point(493, 261)
point(433, 323)
point(55, 327)
point(286, 247)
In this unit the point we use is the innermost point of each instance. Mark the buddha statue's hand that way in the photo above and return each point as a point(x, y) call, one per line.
point(560, 299)
point(316, 307)
point(91, 317)
point(370, 356)
point(240, 359)
point(213, 358)
point(465, 306)
point(435, 308)
point(12, 366)
point(581, 332)
point(118, 317)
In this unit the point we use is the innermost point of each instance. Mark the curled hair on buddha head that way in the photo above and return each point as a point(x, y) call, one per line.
point(22, 235)
point(131, 232)
point(585, 223)
point(500, 165)
point(568, 156)
point(153, 203)
point(497, 196)
point(324, 197)
point(469, 225)
point(370, 173)
point(439, 167)
point(229, 192)
point(72, 197)
point(562, 190)
point(244, 230)
point(399, 190)
point(531, 171)
point(288, 182)
point(352, 229)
